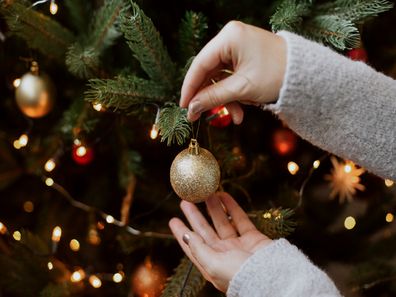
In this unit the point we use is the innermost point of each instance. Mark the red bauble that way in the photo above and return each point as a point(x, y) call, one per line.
point(358, 54)
point(219, 117)
point(82, 155)
point(284, 141)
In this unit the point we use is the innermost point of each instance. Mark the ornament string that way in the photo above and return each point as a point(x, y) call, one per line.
point(186, 277)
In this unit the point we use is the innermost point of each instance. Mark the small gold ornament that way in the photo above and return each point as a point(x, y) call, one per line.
point(35, 93)
point(195, 173)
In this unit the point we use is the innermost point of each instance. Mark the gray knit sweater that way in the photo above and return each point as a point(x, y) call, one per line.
point(341, 106)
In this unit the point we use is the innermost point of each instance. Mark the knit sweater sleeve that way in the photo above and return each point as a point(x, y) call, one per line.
point(280, 269)
point(342, 106)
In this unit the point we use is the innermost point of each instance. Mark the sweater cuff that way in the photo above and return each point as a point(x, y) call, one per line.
point(296, 47)
point(280, 269)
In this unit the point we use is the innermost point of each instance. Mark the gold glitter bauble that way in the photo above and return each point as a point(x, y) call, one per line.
point(195, 173)
point(35, 94)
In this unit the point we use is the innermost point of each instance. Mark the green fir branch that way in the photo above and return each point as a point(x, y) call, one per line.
point(173, 124)
point(83, 58)
point(192, 33)
point(289, 15)
point(38, 30)
point(275, 222)
point(330, 29)
point(123, 92)
point(147, 46)
point(355, 11)
point(187, 281)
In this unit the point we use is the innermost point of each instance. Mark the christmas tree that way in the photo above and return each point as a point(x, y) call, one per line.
point(90, 125)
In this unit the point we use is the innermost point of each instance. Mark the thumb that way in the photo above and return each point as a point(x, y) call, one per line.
point(203, 253)
point(230, 89)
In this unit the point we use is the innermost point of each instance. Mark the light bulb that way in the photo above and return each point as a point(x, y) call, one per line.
point(16, 83)
point(292, 167)
point(77, 276)
point(97, 106)
point(81, 151)
point(28, 206)
point(154, 132)
point(389, 217)
point(316, 164)
point(347, 168)
point(17, 235)
point(349, 223)
point(23, 140)
point(110, 219)
point(53, 7)
point(117, 277)
point(74, 245)
point(3, 228)
point(95, 281)
point(50, 165)
point(389, 183)
point(56, 234)
point(50, 265)
point(49, 181)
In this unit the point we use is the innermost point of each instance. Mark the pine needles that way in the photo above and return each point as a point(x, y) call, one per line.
point(173, 125)
point(275, 222)
point(333, 23)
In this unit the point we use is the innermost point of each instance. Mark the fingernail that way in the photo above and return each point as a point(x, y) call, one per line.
point(195, 108)
point(186, 238)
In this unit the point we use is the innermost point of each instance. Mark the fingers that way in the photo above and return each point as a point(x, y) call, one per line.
point(198, 222)
point(236, 112)
point(239, 217)
point(220, 218)
point(230, 89)
point(179, 229)
point(208, 59)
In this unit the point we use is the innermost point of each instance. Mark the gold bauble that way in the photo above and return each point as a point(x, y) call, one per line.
point(195, 173)
point(35, 95)
point(148, 280)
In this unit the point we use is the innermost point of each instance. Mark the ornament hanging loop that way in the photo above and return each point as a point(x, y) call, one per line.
point(193, 148)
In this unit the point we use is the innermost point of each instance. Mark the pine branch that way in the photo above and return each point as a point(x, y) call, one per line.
point(173, 124)
point(332, 30)
point(147, 46)
point(275, 222)
point(289, 15)
point(192, 33)
point(186, 282)
point(38, 30)
point(123, 92)
point(355, 11)
point(83, 57)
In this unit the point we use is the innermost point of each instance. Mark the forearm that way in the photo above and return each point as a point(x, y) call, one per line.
point(341, 106)
point(280, 269)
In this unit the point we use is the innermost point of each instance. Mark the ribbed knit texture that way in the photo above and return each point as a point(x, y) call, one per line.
point(342, 106)
point(280, 270)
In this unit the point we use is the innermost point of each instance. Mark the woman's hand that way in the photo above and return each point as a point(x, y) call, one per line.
point(258, 60)
point(220, 252)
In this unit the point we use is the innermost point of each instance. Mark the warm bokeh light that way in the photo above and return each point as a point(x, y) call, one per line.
point(28, 206)
point(50, 165)
point(316, 164)
point(16, 144)
point(292, 167)
point(347, 168)
point(53, 7)
point(95, 281)
point(97, 106)
point(389, 217)
point(77, 141)
point(81, 151)
point(3, 228)
point(49, 181)
point(74, 245)
point(56, 234)
point(154, 132)
point(16, 83)
point(349, 223)
point(50, 265)
point(389, 183)
point(118, 277)
point(109, 219)
point(17, 235)
point(77, 276)
point(23, 140)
